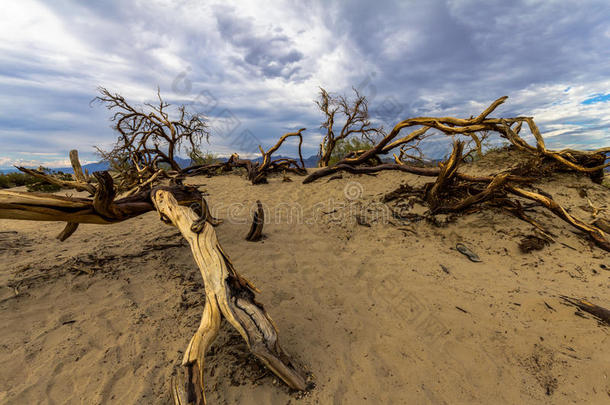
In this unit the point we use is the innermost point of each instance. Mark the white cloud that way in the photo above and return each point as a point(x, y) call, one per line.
point(264, 62)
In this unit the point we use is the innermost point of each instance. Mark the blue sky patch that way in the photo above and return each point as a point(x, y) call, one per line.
point(597, 98)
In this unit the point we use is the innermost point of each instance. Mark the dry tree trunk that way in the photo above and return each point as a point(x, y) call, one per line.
point(447, 171)
point(226, 294)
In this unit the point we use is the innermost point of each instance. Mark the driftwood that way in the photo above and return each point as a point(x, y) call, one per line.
point(226, 292)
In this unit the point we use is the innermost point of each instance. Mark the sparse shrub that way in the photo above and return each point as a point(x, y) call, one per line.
point(164, 166)
point(16, 179)
point(345, 146)
point(488, 148)
point(203, 158)
point(44, 186)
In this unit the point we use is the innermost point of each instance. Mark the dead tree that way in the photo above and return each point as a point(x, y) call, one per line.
point(227, 293)
point(590, 162)
point(352, 114)
point(257, 172)
point(455, 192)
point(149, 136)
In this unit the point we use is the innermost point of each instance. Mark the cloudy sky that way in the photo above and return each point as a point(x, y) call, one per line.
point(255, 69)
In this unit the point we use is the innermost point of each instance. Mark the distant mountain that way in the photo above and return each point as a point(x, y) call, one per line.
point(183, 162)
point(310, 162)
point(91, 167)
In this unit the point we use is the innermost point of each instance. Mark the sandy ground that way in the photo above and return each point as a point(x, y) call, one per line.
point(368, 310)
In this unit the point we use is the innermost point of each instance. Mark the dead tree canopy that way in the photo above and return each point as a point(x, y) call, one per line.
point(351, 115)
point(149, 135)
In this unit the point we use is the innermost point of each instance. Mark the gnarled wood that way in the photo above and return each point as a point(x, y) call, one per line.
point(355, 120)
point(256, 172)
point(226, 293)
point(590, 162)
point(78, 170)
point(49, 207)
point(598, 236)
point(447, 171)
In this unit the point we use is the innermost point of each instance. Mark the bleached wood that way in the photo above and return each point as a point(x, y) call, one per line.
point(227, 294)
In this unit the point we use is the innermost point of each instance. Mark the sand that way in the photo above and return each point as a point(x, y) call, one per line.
point(363, 304)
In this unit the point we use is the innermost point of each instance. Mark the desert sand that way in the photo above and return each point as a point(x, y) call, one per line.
point(377, 310)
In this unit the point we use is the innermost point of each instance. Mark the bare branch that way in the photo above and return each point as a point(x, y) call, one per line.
point(355, 116)
point(148, 137)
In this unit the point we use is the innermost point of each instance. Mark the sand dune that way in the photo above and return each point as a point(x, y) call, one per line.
point(377, 310)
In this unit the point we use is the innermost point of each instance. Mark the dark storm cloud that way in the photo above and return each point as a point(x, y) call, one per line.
point(270, 52)
point(262, 64)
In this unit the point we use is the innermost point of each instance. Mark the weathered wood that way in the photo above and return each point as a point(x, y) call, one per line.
point(354, 118)
point(257, 172)
point(78, 170)
point(70, 228)
point(256, 230)
point(600, 313)
point(447, 171)
point(596, 234)
point(104, 195)
point(48, 207)
point(227, 294)
point(496, 184)
point(590, 162)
